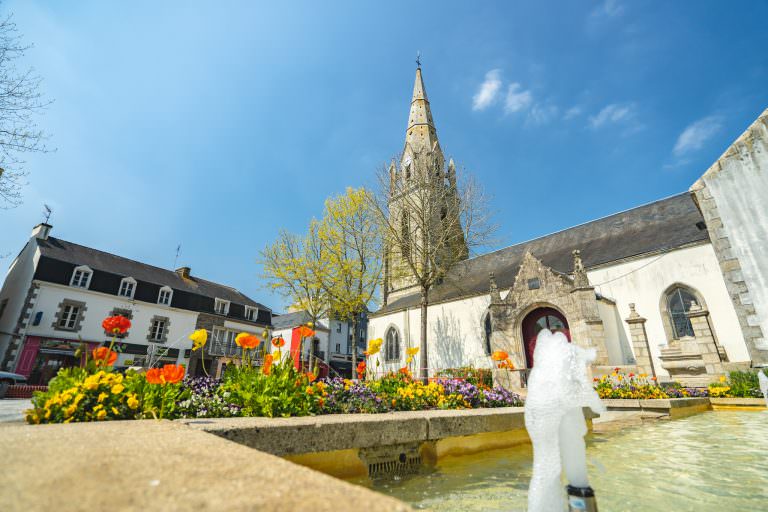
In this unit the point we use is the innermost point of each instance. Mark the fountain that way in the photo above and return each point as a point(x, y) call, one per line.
point(558, 389)
point(763, 384)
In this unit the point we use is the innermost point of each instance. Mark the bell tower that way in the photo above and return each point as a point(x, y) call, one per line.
point(424, 204)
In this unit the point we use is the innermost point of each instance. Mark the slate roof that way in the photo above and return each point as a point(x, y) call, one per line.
point(656, 227)
point(293, 319)
point(99, 260)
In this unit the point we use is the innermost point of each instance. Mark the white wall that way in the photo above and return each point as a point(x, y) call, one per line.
point(616, 337)
point(455, 334)
point(99, 306)
point(644, 281)
point(740, 190)
point(15, 287)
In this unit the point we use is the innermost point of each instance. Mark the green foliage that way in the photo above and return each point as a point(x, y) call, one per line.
point(740, 384)
point(280, 391)
point(477, 376)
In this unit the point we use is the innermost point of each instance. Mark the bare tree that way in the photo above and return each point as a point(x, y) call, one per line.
point(20, 102)
point(431, 217)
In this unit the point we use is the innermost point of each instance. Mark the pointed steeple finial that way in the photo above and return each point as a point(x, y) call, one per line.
point(494, 289)
point(420, 134)
point(418, 60)
point(580, 279)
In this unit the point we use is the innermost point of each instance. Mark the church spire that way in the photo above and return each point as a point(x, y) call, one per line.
point(421, 133)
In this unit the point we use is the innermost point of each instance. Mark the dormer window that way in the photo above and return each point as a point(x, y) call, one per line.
point(127, 287)
point(221, 306)
point(81, 277)
point(165, 296)
point(251, 313)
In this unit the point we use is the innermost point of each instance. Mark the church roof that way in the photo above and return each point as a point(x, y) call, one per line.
point(660, 226)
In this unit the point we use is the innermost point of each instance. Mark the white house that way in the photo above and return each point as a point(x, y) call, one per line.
point(57, 293)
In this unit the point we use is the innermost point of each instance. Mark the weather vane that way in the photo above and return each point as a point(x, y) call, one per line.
point(418, 59)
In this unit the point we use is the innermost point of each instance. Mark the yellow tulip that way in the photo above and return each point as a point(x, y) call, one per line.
point(199, 339)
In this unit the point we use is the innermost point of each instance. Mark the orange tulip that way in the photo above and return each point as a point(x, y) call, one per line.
point(104, 357)
point(305, 332)
point(155, 376)
point(173, 373)
point(245, 340)
point(278, 342)
point(168, 374)
point(311, 376)
point(267, 368)
point(117, 324)
point(499, 355)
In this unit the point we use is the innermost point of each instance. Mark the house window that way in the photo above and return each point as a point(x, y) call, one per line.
point(157, 329)
point(127, 287)
point(338, 348)
point(81, 277)
point(679, 302)
point(392, 345)
point(165, 296)
point(221, 306)
point(338, 327)
point(250, 313)
point(69, 316)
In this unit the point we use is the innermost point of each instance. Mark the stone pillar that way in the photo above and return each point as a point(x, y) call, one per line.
point(705, 339)
point(640, 346)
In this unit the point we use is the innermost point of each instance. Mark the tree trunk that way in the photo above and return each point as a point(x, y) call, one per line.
point(354, 345)
point(424, 360)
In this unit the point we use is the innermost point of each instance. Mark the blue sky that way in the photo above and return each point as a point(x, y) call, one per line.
point(212, 125)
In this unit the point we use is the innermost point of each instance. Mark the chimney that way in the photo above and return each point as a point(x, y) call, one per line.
point(184, 272)
point(41, 231)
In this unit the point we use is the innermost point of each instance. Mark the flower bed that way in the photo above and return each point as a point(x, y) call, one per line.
point(279, 387)
point(617, 385)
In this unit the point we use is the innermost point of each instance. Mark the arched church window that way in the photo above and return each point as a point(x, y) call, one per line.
point(405, 233)
point(679, 302)
point(487, 330)
point(392, 345)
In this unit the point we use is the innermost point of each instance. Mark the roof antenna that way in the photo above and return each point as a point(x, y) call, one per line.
point(47, 211)
point(176, 259)
point(418, 60)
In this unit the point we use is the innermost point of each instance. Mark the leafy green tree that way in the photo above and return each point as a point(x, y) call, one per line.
point(351, 247)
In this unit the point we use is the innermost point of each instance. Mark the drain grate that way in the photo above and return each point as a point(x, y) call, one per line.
point(393, 460)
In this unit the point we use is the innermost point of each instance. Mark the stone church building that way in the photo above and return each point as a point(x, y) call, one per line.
point(676, 289)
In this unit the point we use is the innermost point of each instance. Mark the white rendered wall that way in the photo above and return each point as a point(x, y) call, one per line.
point(644, 281)
point(740, 190)
point(455, 334)
point(99, 306)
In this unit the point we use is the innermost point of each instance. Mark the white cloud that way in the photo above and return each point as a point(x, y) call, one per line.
point(542, 114)
point(696, 134)
point(572, 112)
point(487, 93)
point(607, 9)
point(612, 113)
point(517, 99)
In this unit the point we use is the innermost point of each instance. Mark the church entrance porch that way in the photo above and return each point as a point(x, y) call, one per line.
point(534, 322)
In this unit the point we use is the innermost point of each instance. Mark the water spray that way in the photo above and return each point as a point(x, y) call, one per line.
point(558, 390)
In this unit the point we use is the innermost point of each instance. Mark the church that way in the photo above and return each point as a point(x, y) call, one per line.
point(676, 289)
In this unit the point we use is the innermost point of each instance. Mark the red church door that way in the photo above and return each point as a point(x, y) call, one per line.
point(535, 321)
